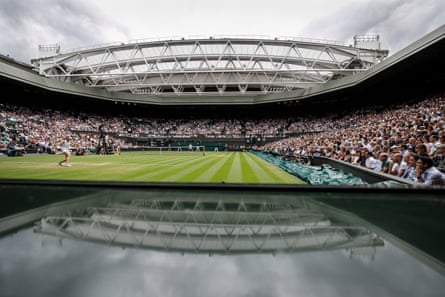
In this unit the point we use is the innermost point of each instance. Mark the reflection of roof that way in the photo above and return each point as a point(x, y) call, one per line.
point(208, 226)
point(223, 66)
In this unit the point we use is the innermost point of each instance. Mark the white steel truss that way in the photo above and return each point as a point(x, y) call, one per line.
point(221, 227)
point(212, 66)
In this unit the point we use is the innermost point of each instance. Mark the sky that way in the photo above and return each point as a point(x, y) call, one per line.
point(26, 24)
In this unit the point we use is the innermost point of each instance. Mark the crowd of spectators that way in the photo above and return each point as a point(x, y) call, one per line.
point(44, 130)
point(387, 139)
point(407, 141)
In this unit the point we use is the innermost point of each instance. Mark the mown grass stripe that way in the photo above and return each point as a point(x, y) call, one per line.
point(257, 169)
point(268, 171)
point(199, 174)
point(235, 174)
point(189, 171)
point(223, 174)
point(151, 172)
point(161, 159)
point(247, 171)
point(217, 172)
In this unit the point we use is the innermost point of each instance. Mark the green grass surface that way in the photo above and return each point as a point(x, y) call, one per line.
point(228, 167)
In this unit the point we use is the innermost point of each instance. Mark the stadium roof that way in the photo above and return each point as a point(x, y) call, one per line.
point(415, 69)
point(212, 66)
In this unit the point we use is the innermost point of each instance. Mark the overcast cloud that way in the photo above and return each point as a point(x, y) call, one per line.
point(75, 23)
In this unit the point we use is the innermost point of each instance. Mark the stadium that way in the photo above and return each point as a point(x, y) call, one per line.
point(176, 95)
point(248, 149)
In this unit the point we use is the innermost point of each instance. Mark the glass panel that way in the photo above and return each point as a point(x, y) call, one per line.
point(111, 241)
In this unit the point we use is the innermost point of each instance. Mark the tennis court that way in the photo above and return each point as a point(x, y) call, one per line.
point(150, 166)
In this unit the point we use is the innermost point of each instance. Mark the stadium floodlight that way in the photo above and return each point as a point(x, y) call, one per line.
point(219, 66)
point(47, 50)
point(367, 41)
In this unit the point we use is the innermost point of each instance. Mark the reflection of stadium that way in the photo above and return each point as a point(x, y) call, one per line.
point(220, 226)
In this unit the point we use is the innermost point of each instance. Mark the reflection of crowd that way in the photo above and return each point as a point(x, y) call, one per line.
point(388, 139)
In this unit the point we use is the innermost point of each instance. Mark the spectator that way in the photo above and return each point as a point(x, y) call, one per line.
point(422, 150)
point(428, 174)
point(371, 162)
point(398, 165)
point(410, 172)
point(385, 163)
point(439, 158)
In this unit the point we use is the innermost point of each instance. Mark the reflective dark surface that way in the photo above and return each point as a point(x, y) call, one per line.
point(191, 242)
point(75, 268)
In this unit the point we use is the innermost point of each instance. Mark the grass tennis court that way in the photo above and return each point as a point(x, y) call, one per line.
point(228, 167)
